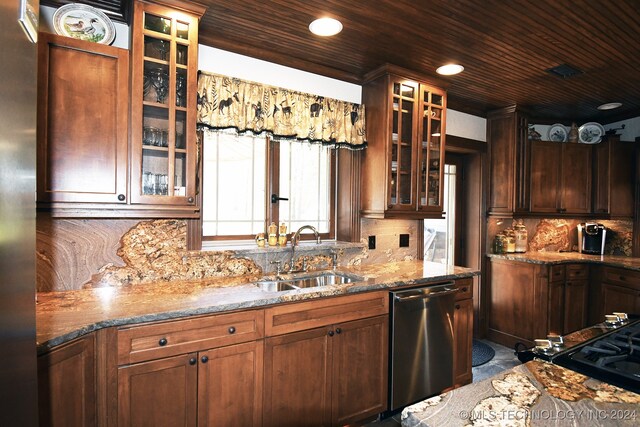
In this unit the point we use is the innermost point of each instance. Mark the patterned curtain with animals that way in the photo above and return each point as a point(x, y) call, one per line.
point(226, 102)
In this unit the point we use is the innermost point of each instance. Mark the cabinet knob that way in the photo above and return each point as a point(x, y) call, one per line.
point(204, 359)
point(162, 342)
point(121, 197)
point(232, 330)
point(338, 330)
point(190, 200)
point(457, 306)
point(330, 333)
point(464, 289)
point(193, 361)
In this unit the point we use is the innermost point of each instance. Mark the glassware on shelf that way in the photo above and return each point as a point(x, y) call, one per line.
point(521, 236)
point(181, 95)
point(159, 80)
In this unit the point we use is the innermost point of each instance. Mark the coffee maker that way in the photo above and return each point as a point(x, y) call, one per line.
point(591, 238)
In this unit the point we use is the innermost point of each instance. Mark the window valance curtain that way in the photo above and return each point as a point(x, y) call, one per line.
point(226, 102)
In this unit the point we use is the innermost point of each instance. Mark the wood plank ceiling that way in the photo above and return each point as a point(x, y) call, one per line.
point(506, 46)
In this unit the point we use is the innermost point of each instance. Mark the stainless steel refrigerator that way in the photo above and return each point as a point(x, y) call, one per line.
point(18, 373)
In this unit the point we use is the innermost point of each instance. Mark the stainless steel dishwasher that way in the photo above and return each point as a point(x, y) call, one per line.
point(421, 344)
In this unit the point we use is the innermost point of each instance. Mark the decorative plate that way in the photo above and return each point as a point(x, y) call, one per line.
point(84, 22)
point(557, 133)
point(590, 133)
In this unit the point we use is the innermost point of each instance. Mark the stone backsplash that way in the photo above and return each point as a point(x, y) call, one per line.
point(72, 254)
point(561, 235)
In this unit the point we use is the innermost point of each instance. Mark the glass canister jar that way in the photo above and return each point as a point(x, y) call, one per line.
point(498, 244)
point(521, 236)
point(510, 240)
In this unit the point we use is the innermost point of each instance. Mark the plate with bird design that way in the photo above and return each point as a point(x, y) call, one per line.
point(84, 22)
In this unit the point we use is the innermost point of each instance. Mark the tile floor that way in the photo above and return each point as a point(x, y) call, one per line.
point(503, 360)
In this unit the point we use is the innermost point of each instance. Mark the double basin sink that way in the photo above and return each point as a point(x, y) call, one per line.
point(308, 280)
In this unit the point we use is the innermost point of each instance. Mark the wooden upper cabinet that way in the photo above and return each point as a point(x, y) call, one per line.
point(614, 178)
point(402, 170)
point(508, 157)
point(82, 121)
point(164, 51)
point(560, 177)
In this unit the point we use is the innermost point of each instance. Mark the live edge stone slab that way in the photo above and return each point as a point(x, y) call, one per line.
point(63, 316)
point(534, 394)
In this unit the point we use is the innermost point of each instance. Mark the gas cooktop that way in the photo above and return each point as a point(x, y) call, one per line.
point(609, 351)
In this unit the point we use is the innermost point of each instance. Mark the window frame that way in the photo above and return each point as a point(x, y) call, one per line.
point(272, 185)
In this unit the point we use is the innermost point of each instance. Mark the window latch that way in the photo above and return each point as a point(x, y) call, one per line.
point(275, 198)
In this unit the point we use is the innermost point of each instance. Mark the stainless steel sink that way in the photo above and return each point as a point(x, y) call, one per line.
point(309, 280)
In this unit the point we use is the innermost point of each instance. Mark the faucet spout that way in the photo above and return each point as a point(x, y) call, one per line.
point(294, 241)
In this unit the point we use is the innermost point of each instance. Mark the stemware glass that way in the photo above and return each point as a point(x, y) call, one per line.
point(181, 82)
point(160, 82)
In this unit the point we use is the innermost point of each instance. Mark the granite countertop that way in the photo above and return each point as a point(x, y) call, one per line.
point(571, 257)
point(534, 394)
point(63, 316)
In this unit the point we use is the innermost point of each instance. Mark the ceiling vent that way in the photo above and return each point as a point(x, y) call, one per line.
point(565, 71)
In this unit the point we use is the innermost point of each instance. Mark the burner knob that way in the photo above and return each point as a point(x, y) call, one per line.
point(611, 319)
point(621, 316)
point(556, 340)
point(543, 345)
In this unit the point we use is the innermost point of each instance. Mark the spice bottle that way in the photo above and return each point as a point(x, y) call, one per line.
point(273, 234)
point(282, 236)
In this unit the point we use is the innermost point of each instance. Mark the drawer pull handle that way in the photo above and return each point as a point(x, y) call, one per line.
point(457, 306)
point(204, 359)
point(338, 330)
point(622, 278)
point(330, 333)
point(193, 361)
point(162, 342)
point(464, 289)
point(232, 330)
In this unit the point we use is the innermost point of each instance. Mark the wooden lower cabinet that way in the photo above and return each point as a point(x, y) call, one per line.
point(576, 294)
point(159, 393)
point(360, 369)
point(618, 290)
point(230, 385)
point(67, 385)
point(221, 386)
point(331, 375)
point(463, 342)
point(620, 299)
point(529, 301)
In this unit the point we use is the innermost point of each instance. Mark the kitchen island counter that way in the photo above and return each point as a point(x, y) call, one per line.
point(63, 316)
point(630, 263)
point(537, 394)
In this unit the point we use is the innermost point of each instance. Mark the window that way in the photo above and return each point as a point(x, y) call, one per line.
point(242, 172)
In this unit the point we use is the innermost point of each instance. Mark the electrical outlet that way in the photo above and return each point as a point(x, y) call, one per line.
point(404, 240)
point(372, 242)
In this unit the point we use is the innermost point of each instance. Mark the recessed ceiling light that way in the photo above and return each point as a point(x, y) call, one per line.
point(450, 69)
point(609, 106)
point(325, 27)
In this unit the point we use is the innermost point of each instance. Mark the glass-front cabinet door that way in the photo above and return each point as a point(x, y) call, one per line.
point(431, 148)
point(404, 100)
point(164, 150)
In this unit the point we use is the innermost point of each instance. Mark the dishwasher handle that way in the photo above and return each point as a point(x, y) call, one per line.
point(447, 291)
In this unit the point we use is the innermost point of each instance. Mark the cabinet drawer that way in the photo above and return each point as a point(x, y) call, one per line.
point(621, 276)
point(153, 341)
point(465, 287)
point(557, 273)
point(313, 314)
point(577, 271)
